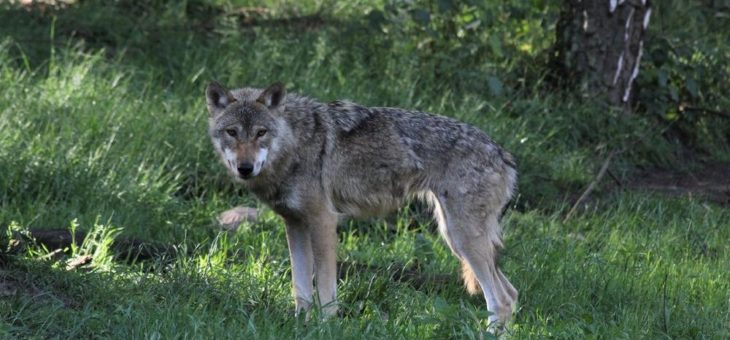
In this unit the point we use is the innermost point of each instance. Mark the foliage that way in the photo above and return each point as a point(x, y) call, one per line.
point(685, 72)
point(468, 44)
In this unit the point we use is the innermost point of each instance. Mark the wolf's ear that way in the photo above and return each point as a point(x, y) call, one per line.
point(273, 96)
point(217, 97)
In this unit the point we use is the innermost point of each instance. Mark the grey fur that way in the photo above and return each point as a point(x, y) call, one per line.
point(322, 161)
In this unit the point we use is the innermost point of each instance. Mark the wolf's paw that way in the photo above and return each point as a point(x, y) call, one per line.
point(231, 219)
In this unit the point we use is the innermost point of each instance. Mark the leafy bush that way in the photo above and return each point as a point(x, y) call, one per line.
point(685, 74)
point(485, 47)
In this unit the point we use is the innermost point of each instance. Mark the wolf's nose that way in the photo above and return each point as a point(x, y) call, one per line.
point(245, 169)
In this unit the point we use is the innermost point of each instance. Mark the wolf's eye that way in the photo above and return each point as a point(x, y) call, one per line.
point(231, 132)
point(261, 133)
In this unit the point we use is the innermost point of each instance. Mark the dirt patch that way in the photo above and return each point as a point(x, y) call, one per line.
point(710, 182)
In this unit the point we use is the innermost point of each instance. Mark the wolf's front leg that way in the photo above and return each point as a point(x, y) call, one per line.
point(324, 247)
point(300, 253)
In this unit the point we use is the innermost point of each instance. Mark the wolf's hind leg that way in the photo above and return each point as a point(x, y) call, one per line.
point(478, 255)
point(473, 235)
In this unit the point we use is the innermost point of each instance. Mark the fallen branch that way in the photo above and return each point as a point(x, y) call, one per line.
point(79, 262)
point(591, 186)
point(127, 249)
point(615, 179)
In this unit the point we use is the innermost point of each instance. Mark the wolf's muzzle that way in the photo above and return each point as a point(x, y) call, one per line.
point(245, 169)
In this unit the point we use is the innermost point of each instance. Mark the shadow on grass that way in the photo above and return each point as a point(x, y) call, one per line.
point(132, 250)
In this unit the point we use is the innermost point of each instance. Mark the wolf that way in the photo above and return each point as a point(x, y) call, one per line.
point(313, 163)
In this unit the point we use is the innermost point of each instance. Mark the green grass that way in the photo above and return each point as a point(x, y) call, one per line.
point(103, 128)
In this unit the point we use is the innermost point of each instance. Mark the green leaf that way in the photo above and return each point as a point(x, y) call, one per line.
point(691, 86)
point(473, 25)
point(662, 77)
point(445, 5)
point(538, 4)
point(421, 16)
point(673, 93)
point(376, 18)
point(495, 44)
point(495, 86)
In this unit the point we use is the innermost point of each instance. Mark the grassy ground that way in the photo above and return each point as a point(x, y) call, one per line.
point(103, 129)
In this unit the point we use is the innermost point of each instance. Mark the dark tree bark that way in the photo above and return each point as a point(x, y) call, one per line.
point(599, 45)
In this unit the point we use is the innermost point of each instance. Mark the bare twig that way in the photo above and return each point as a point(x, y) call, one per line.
point(614, 178)
point(54, 255)
point(591, 186)
point(604, 169)
point(722, 114)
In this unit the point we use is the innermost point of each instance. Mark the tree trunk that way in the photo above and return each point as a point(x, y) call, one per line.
point(599, 45)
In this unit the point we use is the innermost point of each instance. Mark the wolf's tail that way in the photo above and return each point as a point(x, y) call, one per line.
point(470, 280)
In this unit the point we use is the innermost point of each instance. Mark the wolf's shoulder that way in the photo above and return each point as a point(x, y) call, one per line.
point(347, 116)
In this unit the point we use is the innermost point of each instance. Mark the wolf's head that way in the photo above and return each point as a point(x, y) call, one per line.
point(244, 126)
